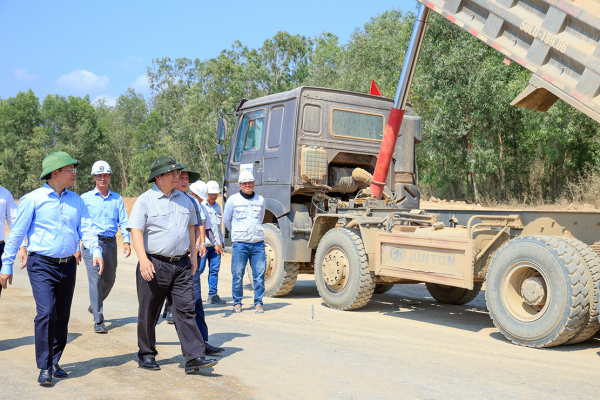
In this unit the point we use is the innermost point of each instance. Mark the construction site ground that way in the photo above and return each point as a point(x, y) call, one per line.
point(403, 344)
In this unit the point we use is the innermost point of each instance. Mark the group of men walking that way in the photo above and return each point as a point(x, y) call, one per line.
point(175, 234)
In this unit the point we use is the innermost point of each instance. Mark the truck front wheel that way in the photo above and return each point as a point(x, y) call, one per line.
point(538, 291)
point(280, 276)
point(342, 270)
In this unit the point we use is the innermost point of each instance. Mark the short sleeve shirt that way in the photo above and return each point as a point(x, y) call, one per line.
point(164, 221)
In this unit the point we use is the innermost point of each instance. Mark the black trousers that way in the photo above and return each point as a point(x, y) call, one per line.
point(200, 316)
point(172, 281)
point(53, 286)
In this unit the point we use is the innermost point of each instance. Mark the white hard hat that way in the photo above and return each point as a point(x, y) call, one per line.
point(246, 176)
point(101, 167)
point(199, 188)
point(212, 187)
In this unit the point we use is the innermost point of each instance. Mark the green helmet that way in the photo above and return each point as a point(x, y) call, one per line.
point(54, 161)
point(162, 166)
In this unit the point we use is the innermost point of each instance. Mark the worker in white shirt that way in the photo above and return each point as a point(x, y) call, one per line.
point(213, 253)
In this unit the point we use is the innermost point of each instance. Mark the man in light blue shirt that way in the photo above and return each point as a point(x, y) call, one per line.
point(53, 219)
point(107, 210)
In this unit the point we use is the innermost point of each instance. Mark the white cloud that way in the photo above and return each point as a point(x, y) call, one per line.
point(84, 81)
point(22, 75)
point(141, 84)
point(108, 99)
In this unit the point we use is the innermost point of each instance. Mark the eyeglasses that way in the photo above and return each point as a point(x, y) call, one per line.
point(71, 170)
point(184, 178)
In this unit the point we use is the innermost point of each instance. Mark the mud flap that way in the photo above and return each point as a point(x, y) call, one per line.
point(295, 243)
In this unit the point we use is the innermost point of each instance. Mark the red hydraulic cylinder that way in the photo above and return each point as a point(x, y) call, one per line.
point(390, 135)
point(388, 145)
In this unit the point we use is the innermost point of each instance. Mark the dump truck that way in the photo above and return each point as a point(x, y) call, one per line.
point(337, 171)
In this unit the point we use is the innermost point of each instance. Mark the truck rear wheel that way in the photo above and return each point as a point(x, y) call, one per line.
point(382, 288)
point(342, 270)
point(453, 295)
point(280, 276)
point(592, 266)
point(537, 291)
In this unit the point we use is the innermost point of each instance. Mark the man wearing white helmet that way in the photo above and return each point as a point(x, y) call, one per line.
point(244, 213)
point(213, 253)
point(107, 210)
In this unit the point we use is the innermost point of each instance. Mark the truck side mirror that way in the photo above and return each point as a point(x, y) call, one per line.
point(220, 149)
point(221, 130)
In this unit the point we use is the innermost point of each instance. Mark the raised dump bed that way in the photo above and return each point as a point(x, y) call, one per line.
point(557, 40)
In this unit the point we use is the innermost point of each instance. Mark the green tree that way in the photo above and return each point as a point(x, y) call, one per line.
point(19, 116)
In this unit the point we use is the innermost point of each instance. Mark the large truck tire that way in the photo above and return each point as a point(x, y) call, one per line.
point(453, 295)
point(280, 276)
point(538, 291)
point(382, 288)
point(592, 267)
point(342, 270)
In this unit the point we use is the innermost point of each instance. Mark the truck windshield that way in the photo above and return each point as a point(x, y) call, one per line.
point(250, 133)
point(357, 124)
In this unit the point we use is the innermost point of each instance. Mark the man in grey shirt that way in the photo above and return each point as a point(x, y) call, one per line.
point(162, 231)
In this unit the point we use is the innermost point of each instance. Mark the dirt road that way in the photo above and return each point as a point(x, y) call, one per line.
point(401, 345)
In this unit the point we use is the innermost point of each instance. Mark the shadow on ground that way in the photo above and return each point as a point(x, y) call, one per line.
point(9, 344)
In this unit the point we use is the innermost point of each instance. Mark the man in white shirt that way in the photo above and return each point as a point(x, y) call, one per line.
point(8, 213)
point(213, 253)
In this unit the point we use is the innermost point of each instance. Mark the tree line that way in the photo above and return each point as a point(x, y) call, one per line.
point(475, 145)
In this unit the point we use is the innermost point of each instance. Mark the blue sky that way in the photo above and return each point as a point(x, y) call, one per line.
point(101, 48)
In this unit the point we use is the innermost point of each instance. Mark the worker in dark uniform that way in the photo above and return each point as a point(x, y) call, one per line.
point(162, 231)
point(203, 229)
point(53, 219)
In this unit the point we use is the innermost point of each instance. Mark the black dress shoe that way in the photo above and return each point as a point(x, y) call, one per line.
point(149, 364)
point(199, 363)
point(210, 350)
point(45, 377)
point(58, 372)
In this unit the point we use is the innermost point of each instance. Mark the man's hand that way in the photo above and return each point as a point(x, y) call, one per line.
point(22, 254)
point(218, 249)
point(202, 251)
point(77, 256)
point(6, 279)
point(147, 269)
point(100, 263)
point(126, 249)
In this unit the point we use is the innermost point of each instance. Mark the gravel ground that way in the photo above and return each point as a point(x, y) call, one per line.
point(401, 345)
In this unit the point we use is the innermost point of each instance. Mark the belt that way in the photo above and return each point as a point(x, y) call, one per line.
point(51, 259)
point(106, 239)
point(169, 259)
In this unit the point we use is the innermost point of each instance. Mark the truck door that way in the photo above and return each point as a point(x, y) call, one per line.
point(248, 149)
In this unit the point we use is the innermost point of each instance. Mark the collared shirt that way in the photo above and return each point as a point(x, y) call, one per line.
point(215, 217)
point(199, 214)
point(244, 218)
point(164, 221)
point(108, 213)
point(52, 225)
point(8, 211)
